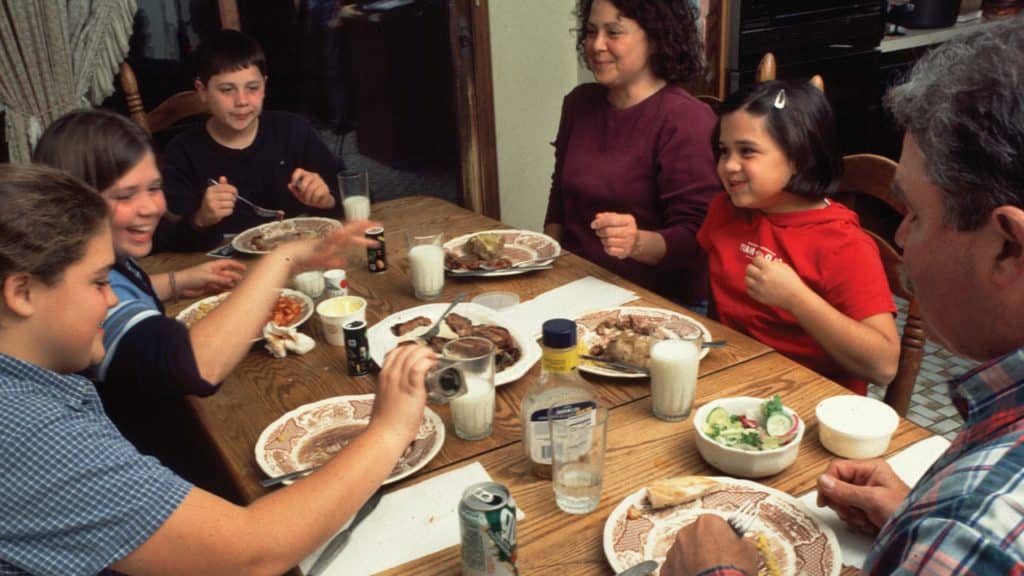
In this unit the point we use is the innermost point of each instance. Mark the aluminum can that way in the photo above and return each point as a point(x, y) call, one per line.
point(487, 519)
point(357, 348)
point(377, 258)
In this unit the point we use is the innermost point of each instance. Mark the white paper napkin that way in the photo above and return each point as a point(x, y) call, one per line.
point(569, 301)
point(407, 524)
point(909, 464)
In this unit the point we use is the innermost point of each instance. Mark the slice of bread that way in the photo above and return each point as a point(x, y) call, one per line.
point(679, 490)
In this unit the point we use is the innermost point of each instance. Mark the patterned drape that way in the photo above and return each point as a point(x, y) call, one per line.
point(55, 56)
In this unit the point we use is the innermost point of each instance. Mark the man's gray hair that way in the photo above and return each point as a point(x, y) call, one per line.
point(964, 105)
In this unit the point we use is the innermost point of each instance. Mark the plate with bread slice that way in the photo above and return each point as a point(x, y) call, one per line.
point(790, 540)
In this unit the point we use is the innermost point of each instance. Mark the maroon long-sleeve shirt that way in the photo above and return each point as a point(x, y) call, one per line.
point(652, 160)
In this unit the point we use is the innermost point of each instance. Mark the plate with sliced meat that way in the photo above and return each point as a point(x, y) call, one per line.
point(499, 252)
point(625, 334)
point(265, 237)
point(516, 352)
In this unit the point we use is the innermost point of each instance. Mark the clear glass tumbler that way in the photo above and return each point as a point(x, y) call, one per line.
point(426, 263)
point(355, 194)
point(578, 445)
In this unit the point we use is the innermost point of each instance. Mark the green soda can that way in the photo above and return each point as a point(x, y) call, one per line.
point(487, 519)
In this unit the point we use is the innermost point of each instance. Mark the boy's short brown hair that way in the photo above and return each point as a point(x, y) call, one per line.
point(228, 51)
point(47, 218)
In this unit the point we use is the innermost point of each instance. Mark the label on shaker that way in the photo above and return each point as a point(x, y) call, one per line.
point(540, 430)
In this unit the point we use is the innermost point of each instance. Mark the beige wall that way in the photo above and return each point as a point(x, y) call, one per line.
point(534, 65)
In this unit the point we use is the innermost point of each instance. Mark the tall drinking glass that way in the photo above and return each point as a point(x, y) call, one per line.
point(355, 194)
point(674, 365)
point(577, 460)
point(426, 262)
point(464, 378)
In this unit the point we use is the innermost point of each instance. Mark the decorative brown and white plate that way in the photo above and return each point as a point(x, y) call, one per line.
point(311, 434)
point(265, 237)
point(798, 542)
point(520, 246)
point(198, 310)
point(594, 331)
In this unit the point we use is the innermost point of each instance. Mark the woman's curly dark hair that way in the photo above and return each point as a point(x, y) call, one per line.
point(677, 53)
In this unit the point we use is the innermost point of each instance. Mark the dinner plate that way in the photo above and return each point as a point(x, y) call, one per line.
point(200, 308)
point(382, 340)
point(588, 322)
point(520, 246)
point(799, 542)
point(247, 241)
point(310, 434)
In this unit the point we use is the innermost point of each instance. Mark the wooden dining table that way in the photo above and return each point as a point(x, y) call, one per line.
point(640, 448)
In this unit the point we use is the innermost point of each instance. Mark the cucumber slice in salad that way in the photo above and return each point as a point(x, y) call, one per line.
point(719, 416)
point(778, 424)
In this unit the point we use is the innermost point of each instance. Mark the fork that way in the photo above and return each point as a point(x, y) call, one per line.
point(259, 210)
point(436, 328)
point(741, 520)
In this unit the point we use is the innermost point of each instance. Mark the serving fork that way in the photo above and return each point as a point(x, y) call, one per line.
point(259, 210)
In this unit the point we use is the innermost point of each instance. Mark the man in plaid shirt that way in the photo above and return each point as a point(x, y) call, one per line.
point(961, 176)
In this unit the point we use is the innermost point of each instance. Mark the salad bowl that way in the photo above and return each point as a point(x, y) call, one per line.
point(741, 438)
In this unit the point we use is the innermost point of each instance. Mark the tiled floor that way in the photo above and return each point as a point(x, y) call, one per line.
point(930, 405)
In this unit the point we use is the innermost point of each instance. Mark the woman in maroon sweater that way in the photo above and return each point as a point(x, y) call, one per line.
point(634, 170)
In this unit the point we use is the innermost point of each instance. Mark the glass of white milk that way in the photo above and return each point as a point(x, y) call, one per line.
point(673, 366)
point(426, 262)
point(355, 194)
point(464, 377)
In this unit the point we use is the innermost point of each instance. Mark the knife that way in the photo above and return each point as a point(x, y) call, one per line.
point(475, 273)
point(618, 366)
point(337, 544)
point(641, 569)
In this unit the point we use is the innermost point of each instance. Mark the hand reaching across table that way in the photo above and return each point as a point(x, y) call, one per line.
point(209, 278)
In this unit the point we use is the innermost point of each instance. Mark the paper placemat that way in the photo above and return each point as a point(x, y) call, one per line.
point(568, 301)
point(909, 464)
point(425, 516)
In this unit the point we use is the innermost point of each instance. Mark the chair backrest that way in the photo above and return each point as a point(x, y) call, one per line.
point(766, 67)
point(180, 105)
point(866, 188)
point(164, 115)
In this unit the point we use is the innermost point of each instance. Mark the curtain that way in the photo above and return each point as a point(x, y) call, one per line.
point(55, 56)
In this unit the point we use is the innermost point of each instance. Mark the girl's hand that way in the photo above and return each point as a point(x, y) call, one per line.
point(773, 283)
point(310, 189)
point(209, 278)
point(401, 391)
point(618, 233)
point(218, 203)
point(326, 253)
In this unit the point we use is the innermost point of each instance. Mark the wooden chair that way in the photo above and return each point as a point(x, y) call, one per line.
point(181, 105)
point(164, 115)
point(766, 68)
point(866, 189)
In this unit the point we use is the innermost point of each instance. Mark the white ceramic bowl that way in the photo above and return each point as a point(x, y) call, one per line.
point(336, 312)
point(855, 426)
point(743, 463)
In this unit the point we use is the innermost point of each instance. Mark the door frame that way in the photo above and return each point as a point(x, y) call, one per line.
point(470, 43)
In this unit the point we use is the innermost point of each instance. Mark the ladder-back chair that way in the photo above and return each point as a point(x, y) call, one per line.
point(866, 189)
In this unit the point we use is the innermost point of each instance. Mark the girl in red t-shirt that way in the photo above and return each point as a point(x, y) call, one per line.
point(788, 266)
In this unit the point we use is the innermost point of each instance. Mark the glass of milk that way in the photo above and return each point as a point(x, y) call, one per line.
point(673, 368)
point(355, 194)
point(464, 378)
point(426, 262)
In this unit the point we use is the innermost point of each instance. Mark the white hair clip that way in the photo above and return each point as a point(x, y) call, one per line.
point(780, 99)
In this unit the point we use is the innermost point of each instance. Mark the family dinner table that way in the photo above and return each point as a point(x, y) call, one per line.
point(640, 448)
